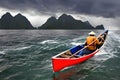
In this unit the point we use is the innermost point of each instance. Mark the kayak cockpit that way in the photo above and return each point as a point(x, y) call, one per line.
point(70, 53)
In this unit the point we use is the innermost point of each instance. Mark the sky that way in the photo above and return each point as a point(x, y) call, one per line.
point(106, 12)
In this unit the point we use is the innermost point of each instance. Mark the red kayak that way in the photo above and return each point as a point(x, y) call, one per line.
point(66, 58)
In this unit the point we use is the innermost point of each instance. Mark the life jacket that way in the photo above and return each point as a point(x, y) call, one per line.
point(94, 41)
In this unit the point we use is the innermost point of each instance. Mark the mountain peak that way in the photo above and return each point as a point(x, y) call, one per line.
point(100, 27)
point(65, 17)
point(87, 23)
point(18, 22)
point(19, 15)
point(65, 22)
point(52, 18)
point(7, 15)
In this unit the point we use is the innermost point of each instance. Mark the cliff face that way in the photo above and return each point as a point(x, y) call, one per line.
point(66, 22)
point(7, 21)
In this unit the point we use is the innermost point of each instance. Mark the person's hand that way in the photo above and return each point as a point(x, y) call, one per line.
point(102, 38)
point(86, 46)
point(101, 42)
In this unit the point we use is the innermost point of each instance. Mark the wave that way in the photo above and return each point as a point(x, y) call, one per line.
point(48, 66)
point(76, 43)
point(115, 36)
point(2, 52)
point(48, 41)
point(78, 39)
point(13, 75)
point(2, 68)
point(107, 51)
point(21, 48)
point(14, 49)
point(102, 55)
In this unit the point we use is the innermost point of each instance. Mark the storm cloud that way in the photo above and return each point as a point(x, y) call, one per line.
point(105, 8)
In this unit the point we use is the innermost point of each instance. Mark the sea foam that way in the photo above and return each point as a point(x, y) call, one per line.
point(48, 41)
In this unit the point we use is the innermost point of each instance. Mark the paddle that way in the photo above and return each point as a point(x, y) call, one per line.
point(85, 47)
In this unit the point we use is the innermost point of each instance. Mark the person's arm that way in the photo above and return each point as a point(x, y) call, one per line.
point(97, 41)
point(102, 39)
point(85, 43)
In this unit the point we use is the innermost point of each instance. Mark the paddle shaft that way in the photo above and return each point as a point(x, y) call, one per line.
point(85, 46)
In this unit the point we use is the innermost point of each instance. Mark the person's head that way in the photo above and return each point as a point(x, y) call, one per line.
point(92, 33)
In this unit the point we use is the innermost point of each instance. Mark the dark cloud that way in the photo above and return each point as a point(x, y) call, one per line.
point(105, 8)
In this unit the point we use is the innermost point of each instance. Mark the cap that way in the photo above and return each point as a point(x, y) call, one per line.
point(92, 33)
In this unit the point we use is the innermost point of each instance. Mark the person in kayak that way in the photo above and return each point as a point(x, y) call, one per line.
point(90, 44)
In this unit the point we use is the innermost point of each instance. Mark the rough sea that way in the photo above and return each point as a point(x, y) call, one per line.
point(26, 55)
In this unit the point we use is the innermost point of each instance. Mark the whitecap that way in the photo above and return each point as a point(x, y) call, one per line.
point(76, 43)
point(103, 55)
point(21, 48)
point(101, 52)
point(49, 41)
point(2, 52)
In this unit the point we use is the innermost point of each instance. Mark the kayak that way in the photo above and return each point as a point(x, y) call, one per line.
point(67, 58)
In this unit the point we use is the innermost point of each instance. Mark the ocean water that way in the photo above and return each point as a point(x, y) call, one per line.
point(26, 55)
